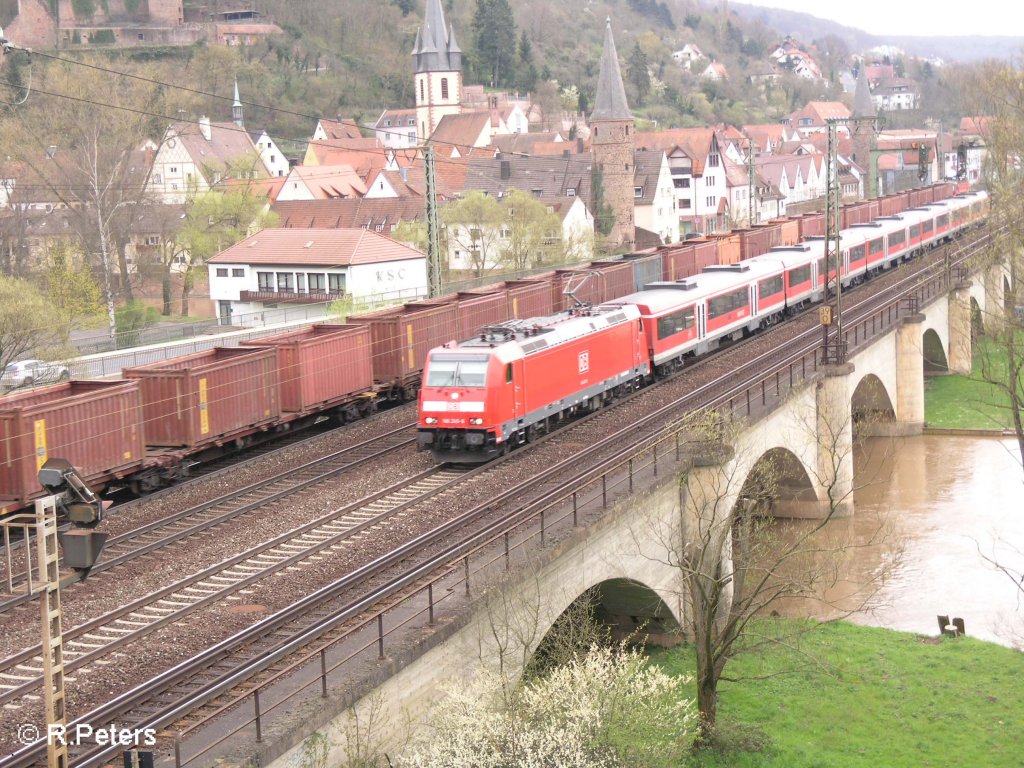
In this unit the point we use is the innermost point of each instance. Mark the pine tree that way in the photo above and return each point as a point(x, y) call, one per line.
point(527, 70)
point(638, 74)
point(494, 32)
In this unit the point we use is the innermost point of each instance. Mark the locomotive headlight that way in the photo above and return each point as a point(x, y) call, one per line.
point(476, 421)
point(430, 420)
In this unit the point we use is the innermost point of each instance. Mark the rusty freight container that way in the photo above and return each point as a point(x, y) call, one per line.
point(199, 399)
point(729, 248)
point(528, 298)
point(614, 279)
point(96, 425)
point(789, 231)
point(401, 338)
point(321, 365)
point(812, 225)
point(677, 262)
point(758, 239)
point(854, 213)
point(705, 253)
point(479, 308)
point(873, 212)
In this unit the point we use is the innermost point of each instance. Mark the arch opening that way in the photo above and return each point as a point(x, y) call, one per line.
point(977, 320)
point(616, 610)
point(935, 361)
point(870, 405)
point(778, 485)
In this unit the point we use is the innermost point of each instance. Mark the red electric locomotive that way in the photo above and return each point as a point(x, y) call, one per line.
point(519, 378)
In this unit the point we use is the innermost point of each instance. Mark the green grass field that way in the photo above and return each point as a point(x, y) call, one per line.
point(960, 402)
point(856, 696)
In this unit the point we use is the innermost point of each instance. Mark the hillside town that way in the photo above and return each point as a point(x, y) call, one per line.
point(596, 183)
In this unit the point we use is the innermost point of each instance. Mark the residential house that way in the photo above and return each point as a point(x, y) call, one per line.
point(381, 215)
point(688, 54)
point(271, 155)
point(798, 178)
point(790, 56)
point(715, 71)
point(396, 128)
point(766, 138)
point(655, 205)
point(878, 73)
point(698, 175)
point(322, 182)
point(457, 135)
point(528, 143)
point(895, 93)
point(336, 130)
point(283, 265)
point(194, 157)
point(813, 117)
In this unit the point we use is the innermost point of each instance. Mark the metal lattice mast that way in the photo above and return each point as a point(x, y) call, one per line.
point(53, 647)
point(833, 252)
point(433, 227)
point(751, 185)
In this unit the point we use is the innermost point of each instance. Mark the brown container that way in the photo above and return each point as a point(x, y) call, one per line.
point(677, 262)
point(812, 225)
point(614, 279)
point(480, 308)
point(729, 248)
point(320, 365)
point(705, 253)
point(647, 268)
point(873, 212)
point(758, 239)
point(789, 231)
point(401, 338)
point(889, 205)
point(854, 213)
point(198, 399)
point(528, 298)
point(96, 425)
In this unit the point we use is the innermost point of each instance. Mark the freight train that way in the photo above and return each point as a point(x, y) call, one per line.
point(520, 378)
point(150, 428)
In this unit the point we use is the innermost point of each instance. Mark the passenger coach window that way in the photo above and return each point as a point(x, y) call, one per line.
point(457, 371)
point(769, 287)
point(730, 302)
point(857, 253)
point(675, 323)
point(896, 239)
point(800, 275)
point(508, 373)
point(876, 245)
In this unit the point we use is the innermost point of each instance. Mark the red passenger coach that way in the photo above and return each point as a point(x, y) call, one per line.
point(519, 378)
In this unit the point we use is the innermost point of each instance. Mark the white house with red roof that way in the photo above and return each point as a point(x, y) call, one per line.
point(279, 266)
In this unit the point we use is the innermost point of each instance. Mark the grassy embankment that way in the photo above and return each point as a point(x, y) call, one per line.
point(969, 402)
point(867, 697)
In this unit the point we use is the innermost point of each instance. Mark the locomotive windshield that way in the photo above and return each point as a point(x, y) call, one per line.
point(457, 371)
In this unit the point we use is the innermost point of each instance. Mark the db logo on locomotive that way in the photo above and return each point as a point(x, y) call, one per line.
point(584, 362)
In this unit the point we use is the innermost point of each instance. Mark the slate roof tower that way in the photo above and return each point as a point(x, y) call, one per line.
point(611, 141)
point(863, 123)
point(438, 63)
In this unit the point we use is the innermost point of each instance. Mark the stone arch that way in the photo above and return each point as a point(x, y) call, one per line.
point(871, 403)
point(977, 320)
point(779, 484)
point(934, 354)
point(628, 608)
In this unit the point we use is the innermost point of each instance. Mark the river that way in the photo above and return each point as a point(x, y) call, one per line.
point(944, 501)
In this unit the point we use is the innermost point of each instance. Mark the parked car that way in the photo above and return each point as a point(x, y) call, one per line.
point(26, 373)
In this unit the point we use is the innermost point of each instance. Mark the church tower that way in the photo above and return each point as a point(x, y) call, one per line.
point(862, 124)
point(438, 61)
point(611, 141)
point(236, 109)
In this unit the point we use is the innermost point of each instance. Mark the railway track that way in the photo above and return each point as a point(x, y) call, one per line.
point(208, 516)
point(231, 666)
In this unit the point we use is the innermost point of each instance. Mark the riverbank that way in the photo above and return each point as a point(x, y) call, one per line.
point(970, 402)
point(847, 695)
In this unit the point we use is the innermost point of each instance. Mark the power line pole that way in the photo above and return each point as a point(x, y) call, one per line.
point(433, 227)
point(833, 251)
point(751, 186)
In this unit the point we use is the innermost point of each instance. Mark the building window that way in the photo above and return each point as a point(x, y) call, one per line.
point(157, 178)
point(300, 282)
point(638, 191)
point(151, 239)
point(444, 87)
point(222, 272)
point(411, 122)
point(336, 283)
point(284, 281)
point(265, 280)
point(174, 169)
point(422, 96)
point(412, 135)
point(570, 192)
point(387, 123)
point(238, 272)
point(317, 282)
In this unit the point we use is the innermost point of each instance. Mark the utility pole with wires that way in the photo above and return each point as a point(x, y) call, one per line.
point(751, 184)
point(433, 226)
point(834, 352)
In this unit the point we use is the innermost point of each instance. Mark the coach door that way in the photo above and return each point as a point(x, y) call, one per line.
point(701, 320)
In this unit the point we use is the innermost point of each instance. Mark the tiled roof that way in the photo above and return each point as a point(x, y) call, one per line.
point(340, 129)
point(328, 181)
point(315, 247)
point(646, 171)
point(227, 143)
point(543, 176)
point(462, 131)
point(695, 142)
point(610, 102)
point(523, 143)
point(351, 213)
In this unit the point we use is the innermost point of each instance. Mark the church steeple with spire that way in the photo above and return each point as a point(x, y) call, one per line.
point(438, 60)
point(236, 108)
point(611, 141)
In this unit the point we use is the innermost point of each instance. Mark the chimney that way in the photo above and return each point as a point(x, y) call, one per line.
point(506, 170)
point(579, 146)
point(204, 128)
